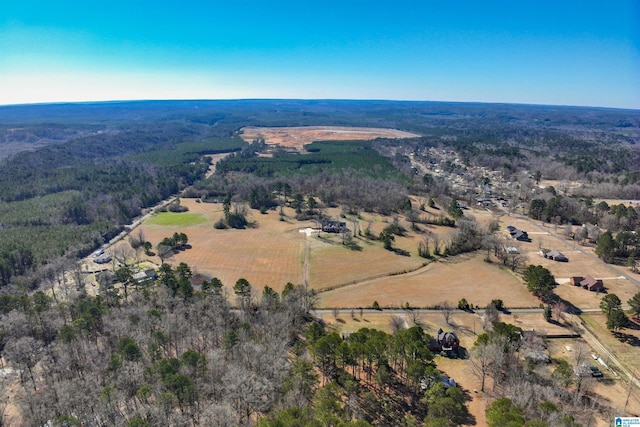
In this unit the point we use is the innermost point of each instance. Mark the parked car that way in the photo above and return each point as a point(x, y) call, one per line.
point(595, 372)
point(587, 370)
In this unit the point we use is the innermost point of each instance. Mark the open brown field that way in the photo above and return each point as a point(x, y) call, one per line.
point(273, 254)
point(466, 276)
point(331, 264)
point(349, 267)
point(270, 254)
point(335, 265)
point(297, 137)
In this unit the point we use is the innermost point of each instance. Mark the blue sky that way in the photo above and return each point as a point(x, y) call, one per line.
point(539, 52)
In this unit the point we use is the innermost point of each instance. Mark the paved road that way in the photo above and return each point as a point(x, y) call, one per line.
point(130, 227)
point(399, 311)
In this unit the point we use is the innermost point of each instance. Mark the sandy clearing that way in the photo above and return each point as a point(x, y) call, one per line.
point(297, 137)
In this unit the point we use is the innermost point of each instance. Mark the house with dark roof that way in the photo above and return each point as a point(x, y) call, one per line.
point(445, 341)
point(334, 226)
point(521, 236)
point(553, 255)
point(588, 282)
point(592, 284)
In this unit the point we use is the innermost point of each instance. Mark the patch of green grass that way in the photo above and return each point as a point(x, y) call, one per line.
point(177, 219)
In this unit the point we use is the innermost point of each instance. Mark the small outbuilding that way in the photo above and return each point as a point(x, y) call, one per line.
point(511, 250)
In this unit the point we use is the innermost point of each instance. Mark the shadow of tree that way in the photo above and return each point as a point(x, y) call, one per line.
point(633, 325)
point(627, 338)
point(401, 252)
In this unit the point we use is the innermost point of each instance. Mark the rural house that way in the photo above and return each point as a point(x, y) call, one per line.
point(334, 226)
point(102, 259)
point(518, 234)
point(145, 276)
point(588, 282)
point(521, 236)
point(553, 255)
point(445, 341)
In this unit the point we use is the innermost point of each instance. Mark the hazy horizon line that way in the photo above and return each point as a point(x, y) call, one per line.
point(134, 100)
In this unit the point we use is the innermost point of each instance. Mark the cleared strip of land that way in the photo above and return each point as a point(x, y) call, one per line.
point(297, 137)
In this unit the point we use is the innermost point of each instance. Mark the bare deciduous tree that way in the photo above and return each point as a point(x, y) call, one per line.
point(447, 311)
point(481, 359)
point(122, 254)
point(25, 353)
point(491, 316)
point(558, 310)
point(164, 252)
point(396, 323)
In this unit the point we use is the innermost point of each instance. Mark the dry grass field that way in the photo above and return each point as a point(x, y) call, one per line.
point(273, 254)
point(466, 276)
point(270, 254)
point(297, 137)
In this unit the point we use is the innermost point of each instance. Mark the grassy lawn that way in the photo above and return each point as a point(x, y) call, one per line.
point(626, 352)
point(172, 219)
